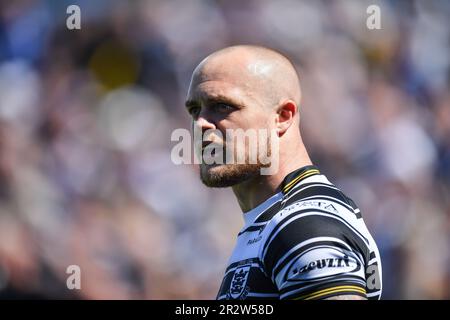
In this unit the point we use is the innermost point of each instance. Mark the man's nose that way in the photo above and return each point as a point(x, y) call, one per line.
point(204, 124)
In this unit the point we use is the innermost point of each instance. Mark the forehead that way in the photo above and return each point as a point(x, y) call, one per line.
point(218, 85)
point(226, 76)
point(211, 89)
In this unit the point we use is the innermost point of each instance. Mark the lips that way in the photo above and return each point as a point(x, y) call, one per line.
point(211, 150)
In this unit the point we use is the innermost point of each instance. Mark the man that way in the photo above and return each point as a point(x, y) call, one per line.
point(303, 238)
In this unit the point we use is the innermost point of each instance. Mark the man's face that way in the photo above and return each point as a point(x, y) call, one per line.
point(222, 104)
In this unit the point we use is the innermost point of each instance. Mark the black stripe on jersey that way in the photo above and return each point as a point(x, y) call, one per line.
point(243, 262)
point(304, 228)
point(257, 282)
point(303, 211)
point(304, 248)
point(305, 185)
point(276, 207)
point(222, 288)
point(256, 297)
point(269, 213)
point(341, 281)
point(252, 228)
point(320, 190)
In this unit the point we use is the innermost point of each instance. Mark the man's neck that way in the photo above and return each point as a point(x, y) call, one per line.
point(255, 191)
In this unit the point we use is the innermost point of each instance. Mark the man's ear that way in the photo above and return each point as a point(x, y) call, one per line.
point(285, 116)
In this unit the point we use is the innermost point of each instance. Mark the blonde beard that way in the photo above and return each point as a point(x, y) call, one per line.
point(227, 175)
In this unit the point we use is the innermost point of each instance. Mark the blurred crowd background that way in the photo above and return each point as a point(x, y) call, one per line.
point(86, 118)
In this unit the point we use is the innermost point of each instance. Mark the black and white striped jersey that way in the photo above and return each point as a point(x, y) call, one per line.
point(308, 241)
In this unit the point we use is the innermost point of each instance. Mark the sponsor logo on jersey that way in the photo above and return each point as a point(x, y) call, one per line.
point(322, 262)
point(254, 240)
point(321, 204)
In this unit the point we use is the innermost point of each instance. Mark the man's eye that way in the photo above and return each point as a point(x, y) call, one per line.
point(223, 108)
point(193, 111)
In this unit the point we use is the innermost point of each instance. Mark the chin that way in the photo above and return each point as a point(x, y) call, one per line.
point(227, 175)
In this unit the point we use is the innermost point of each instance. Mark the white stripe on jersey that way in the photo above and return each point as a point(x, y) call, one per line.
point(303, 215)
point(304, 243)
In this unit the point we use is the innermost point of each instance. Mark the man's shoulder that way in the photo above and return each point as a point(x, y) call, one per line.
point(315, 198)
point(315, 210)
point(318, 191)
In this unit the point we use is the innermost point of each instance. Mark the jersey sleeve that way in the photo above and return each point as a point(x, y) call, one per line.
point(309, 255)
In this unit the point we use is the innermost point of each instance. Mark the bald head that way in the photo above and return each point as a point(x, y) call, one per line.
point(265, 74)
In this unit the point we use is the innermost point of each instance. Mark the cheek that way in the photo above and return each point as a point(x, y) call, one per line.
point(262, 121)
point(245, 121)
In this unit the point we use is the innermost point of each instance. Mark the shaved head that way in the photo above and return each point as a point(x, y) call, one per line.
point(263, 72)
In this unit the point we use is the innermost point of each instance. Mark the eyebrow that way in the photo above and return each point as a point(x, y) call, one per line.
point(212, 99)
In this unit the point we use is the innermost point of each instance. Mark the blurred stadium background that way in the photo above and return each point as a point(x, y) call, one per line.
point(86, 117)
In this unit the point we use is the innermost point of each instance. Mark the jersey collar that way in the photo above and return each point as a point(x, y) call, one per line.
point(250, 216)
point(295, 177)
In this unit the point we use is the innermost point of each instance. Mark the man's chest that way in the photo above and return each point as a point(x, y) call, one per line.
point(244, 277)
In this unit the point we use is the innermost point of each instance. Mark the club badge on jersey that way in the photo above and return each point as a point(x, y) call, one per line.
point(238, 288)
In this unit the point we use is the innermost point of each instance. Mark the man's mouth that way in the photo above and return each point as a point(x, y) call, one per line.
point(211, 150)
